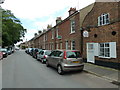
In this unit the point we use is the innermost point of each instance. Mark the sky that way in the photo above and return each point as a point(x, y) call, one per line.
point(35, 15)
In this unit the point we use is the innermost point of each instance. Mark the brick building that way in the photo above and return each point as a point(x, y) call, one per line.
point(101, 44)
point(64, 35)
point(66, 32)
point(94, 30)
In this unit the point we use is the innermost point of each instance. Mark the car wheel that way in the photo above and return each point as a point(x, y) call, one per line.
point(60, 70)
point(42, 61)
point(47, 64)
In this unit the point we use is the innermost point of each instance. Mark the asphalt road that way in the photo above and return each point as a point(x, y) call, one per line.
point(20, 70)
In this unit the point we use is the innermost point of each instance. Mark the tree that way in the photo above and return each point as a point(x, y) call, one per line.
point(12, 30)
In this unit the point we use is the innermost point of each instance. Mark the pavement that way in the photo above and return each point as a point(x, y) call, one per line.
point(107, 73)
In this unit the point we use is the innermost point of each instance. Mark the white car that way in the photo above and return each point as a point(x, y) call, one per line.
point(42, 55)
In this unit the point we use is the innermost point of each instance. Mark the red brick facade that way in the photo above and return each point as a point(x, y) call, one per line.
point(97, 34)
point(104, 33)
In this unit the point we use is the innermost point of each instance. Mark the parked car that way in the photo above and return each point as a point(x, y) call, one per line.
point(65, 60)
point(1, 55)
point(35, 52)
point(43, 54)
point(4, 51)
point(31, 51)
point(9, 52)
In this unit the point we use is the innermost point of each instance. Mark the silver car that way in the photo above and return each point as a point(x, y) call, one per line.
point(42, 55)
point(65, 60)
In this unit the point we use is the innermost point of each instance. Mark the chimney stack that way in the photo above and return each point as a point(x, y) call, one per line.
point(71, 11)
point(49, 27)
point(58, 20)
point(39, 32)
point(35, 34)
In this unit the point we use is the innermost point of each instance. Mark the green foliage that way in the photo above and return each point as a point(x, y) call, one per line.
point(12, 30)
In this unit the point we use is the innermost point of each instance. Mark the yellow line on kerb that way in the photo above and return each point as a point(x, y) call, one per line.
point(103, 67)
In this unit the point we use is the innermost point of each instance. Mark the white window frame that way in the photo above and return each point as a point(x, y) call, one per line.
point(103, 20)
point(111, 48)
point(73, 45)
point(53, 34)
point(56, 32)
point(66, 45)
point(72, 25)
point(52, 46)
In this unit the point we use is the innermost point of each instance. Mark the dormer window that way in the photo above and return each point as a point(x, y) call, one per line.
point(104, 19)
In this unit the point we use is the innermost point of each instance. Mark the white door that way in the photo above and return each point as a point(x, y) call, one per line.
point(90, 53)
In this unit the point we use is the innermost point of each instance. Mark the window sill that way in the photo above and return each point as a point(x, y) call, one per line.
point(104, 57)
point(104, 24)
point(72, 32)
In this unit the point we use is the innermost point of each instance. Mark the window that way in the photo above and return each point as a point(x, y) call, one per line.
point(73, 45)
point(66, 45)
point(72, 26)
point(107, 50)
point(73, 54)
point(104, 50)
point(45, 37)
point(57, 46)
point(52, 34)
point(57, 32)
point(52, 46)
point(60, 45)
point(58, 53)
point(103, 19)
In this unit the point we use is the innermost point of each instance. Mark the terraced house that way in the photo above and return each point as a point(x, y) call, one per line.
point(101, 34)
point(94, 30)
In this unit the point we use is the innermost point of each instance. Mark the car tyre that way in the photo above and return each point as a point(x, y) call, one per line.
point(60, 70)
point(47, 64)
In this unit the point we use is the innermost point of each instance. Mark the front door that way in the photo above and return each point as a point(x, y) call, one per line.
point(90, 53)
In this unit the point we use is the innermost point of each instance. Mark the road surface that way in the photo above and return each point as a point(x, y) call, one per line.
point(20, 70)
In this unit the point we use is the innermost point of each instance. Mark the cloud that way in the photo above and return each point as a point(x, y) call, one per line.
point(37, 14)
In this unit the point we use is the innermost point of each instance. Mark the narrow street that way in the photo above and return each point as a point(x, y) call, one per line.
point(20, 70)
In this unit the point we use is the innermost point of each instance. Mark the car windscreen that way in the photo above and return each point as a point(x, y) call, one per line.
point(73, 54)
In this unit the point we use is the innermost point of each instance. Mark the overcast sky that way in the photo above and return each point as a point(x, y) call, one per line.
point(37, 14)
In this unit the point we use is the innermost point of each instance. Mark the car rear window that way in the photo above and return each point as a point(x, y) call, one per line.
point(47, 52)
point(73, 54)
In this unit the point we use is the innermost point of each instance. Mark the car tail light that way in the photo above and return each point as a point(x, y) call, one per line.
point(65, 55)
point(44, 56)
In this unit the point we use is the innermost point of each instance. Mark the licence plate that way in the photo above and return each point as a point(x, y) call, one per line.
point(76, 62)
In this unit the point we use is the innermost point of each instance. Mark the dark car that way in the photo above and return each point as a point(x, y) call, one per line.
point(4, 51)
point(35, 52)
point(9, 50)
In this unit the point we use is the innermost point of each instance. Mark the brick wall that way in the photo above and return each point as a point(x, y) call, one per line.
point(64, 31)
point(104, 33)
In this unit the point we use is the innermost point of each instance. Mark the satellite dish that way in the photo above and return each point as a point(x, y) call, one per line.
point(2, 1)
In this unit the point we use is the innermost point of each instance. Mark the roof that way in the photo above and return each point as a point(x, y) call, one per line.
point(84, 12)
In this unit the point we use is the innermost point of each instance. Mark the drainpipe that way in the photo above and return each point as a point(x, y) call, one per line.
point(81, 42)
